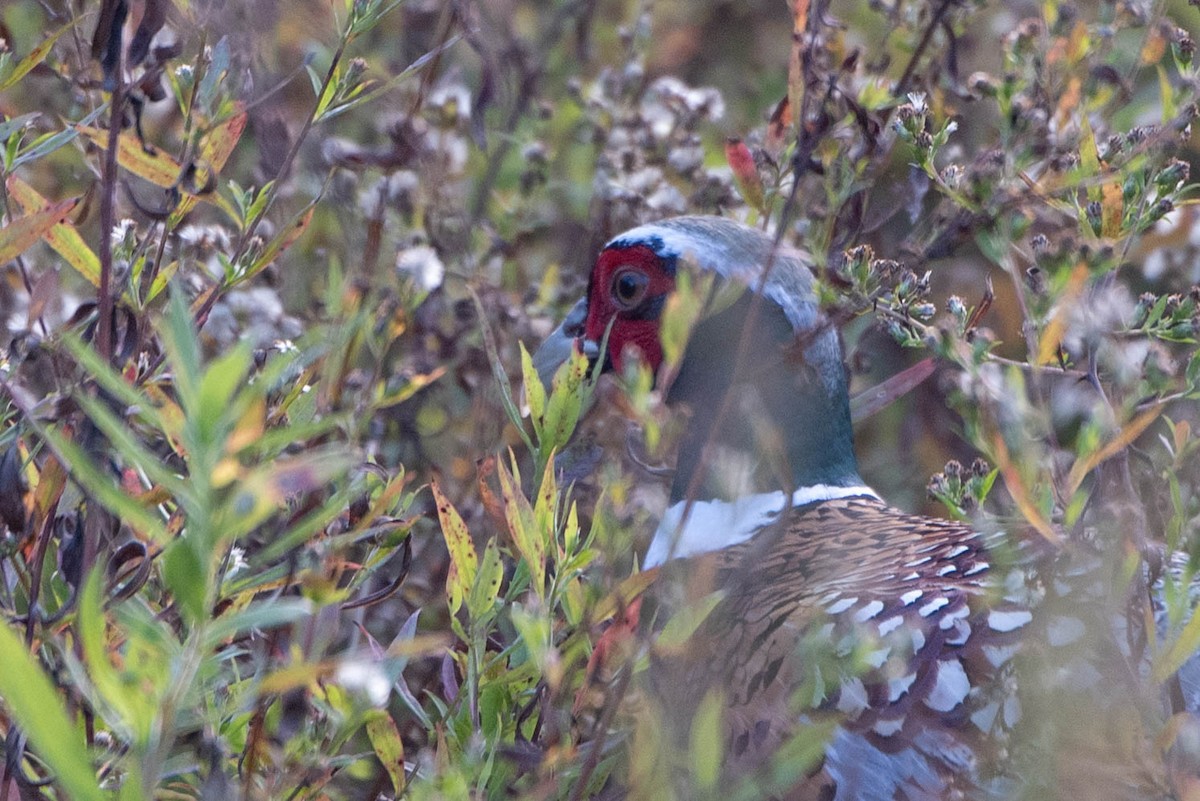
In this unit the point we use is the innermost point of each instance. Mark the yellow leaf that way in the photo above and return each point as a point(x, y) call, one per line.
point(162, 170)
point(23, 232)
point(172, 417)
point(249, 428)
point(523, 526)
point(36, 56)
point(1155, 46)
point(481, 601)
point(1069, 100)
point(61, 236)
point(795, 93)
point(1183, 433)
point(225, 472)
point(414, 385)
point(1181, 650)
point(1123, 439)
point(215, 150)
point(221, 141)
point(1089, 156)
point(546, 503)
point(624, 594)
point(708, 740)
point(463, 560)
point(535, 391)
point(1020, 495)
point(1112, 209)
point(388, 747)
point(296, 675)
point(1079, 44)
point(1051, 338)
point(161, 280)
point(157, 168)
point(280, 243)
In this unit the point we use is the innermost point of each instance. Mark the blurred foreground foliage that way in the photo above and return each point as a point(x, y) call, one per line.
point(280, 522)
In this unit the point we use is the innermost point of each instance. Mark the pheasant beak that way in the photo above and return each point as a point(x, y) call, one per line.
point(562, 341)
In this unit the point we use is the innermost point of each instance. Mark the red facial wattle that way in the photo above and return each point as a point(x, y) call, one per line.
point(628, 286)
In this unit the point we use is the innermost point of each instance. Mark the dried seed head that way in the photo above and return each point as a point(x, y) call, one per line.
point(982, 83)
point(1035, 280)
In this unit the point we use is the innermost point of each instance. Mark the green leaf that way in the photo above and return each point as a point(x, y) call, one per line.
point(133, 712)
point(328, 94)
point(215, 411)
point(1192, 373)
point(14, 124)
point(707, 740)
point(183, 350)
point(131, 448)
point(486, 589)
point(281, 242)
point(534, 629)
point(985, 486)
point(1166, 663)
point(684, 623)
point(31, 699)
point(564, 405)
point(45, 145)
point(104, 488)
point(382, 87)
point(279, 612)
point(535, 393)
point(570, 533)
point(1089, 158)
point(36, 56)
point(309, 526)
point(498, 371)
point(187, 577)
point(111, 380)
point(266, 489)
point(683, 308)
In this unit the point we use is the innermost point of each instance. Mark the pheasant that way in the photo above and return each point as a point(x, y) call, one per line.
point(895, 632)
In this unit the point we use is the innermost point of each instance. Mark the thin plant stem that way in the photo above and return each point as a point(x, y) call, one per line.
point(108, 200)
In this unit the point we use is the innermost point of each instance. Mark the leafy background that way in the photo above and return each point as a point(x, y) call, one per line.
point(282, 518)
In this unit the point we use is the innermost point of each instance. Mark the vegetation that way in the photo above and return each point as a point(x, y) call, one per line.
point(287, 512)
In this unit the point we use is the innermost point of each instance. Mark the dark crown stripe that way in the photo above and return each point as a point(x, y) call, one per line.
point(670, 259)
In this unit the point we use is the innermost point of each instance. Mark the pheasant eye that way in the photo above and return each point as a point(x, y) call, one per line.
point(629, 288)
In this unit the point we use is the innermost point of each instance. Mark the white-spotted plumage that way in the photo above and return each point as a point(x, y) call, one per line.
point(921, 627)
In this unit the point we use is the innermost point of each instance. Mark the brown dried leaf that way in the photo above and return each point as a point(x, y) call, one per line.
point(779, 127)
point(882, 395)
